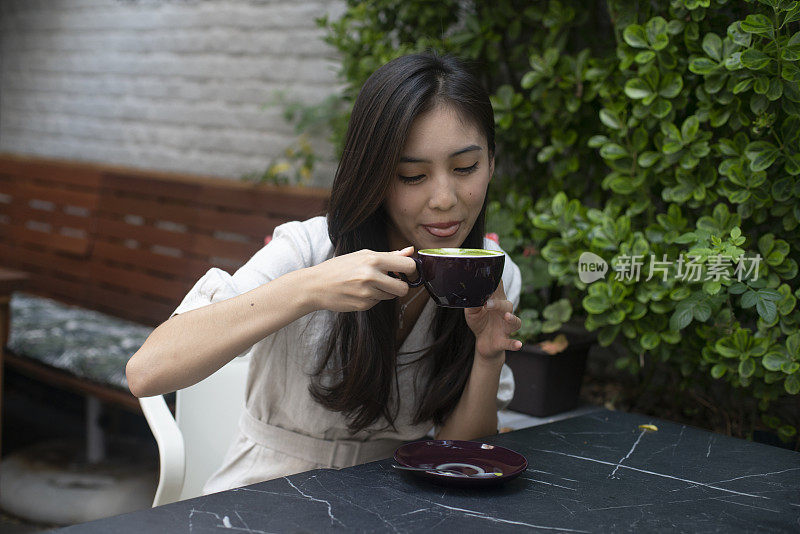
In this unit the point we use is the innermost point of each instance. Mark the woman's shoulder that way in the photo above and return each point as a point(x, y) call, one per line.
point(309, 236)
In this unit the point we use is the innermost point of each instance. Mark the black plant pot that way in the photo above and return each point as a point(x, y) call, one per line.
point(547, 384)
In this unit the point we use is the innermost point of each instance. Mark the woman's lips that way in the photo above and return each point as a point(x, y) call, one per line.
point(443, 231)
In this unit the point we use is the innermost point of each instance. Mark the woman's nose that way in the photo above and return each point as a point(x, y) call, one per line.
point(443, 194)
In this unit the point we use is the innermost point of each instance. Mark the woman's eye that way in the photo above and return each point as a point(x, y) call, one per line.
point(411, 179)
point(467, 170)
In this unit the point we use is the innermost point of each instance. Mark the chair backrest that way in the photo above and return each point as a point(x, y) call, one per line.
point(208, 416)
point(193, 444)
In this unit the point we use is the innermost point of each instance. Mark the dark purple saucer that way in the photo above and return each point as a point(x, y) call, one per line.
point(468, 457)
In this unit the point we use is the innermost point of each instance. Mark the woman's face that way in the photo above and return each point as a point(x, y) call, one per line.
point(440, 184)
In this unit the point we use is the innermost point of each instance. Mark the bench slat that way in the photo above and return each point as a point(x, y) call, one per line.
point(20, 213)
point(193, 245)
point(41, 260)
point(57, 242)
point(199, 217)
point(129, 306)
point(86, 199)
point(51, 171)
point(180, 267)
point(139, 283)
point(235, 195)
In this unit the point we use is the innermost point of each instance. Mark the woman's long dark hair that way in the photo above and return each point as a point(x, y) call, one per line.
point(362, 350)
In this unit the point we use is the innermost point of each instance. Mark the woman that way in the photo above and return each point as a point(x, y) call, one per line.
point(346, 361)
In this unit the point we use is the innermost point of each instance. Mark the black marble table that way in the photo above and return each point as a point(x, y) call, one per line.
point(592, 473)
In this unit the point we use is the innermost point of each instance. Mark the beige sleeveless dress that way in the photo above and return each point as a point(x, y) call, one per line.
point(283, 430)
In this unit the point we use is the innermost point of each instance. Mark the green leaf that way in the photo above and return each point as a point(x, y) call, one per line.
point(650, 340)
point(738, 35)
point(758, 24)
point(712, 45)
point(792, 384)
point(761, 154)
point(675, 27)
point(775, 90)
point(702, 311)
point(791, 53)
point(648, 159)
point(660, 108)
point(754, 59)
point(767, 310)
point(613, 151)
point(702, 65)
point(680, 293)
point(718, 370)
point(793, 345)
point(773, 360)
point(645, 56)
point(637, 89)
point(656, 30)
point(607, 334)
point(749, 299)
point(792, 14)
point(560, 311)
point(737, 288)
point(671, 85)
point(790, 72)
point(769, 294)
point(680, 319)
point(558, 203)
point(747, 368)
point(689, 129)
point(634, 35)
point(596, 141)
point(727, 348)
point(742, 86)
point(595, 304)
point(610, 119)
point(790, 129)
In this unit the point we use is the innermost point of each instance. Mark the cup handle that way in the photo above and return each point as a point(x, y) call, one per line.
point(418, 282)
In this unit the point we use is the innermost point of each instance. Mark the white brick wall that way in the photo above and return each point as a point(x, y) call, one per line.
point(176, 85)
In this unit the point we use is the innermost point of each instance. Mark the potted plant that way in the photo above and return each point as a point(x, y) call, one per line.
point(548, 370)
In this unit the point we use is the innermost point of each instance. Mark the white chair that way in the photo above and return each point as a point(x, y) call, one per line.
point(192, 445)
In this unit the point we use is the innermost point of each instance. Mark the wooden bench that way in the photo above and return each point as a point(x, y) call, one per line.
point(126, 242)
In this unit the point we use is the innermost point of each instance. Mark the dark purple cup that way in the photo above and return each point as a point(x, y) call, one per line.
point(458, 277)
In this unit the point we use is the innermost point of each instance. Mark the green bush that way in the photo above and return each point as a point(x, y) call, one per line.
point(637, 131)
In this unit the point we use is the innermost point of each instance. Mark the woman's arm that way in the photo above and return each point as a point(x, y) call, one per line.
point(475, 415)
point(191, 346)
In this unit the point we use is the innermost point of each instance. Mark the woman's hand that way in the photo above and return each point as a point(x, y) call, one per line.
point(359, 280)
point(493, 324)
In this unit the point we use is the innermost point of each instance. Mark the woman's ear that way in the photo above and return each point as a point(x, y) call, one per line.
point(491, 167)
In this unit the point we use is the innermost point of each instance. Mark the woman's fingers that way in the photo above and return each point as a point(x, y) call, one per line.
point(392, 286)
point(512, 323)
point(499, 305)
point(397, 261)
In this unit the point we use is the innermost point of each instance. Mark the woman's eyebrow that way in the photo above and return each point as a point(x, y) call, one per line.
point(470, 148)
